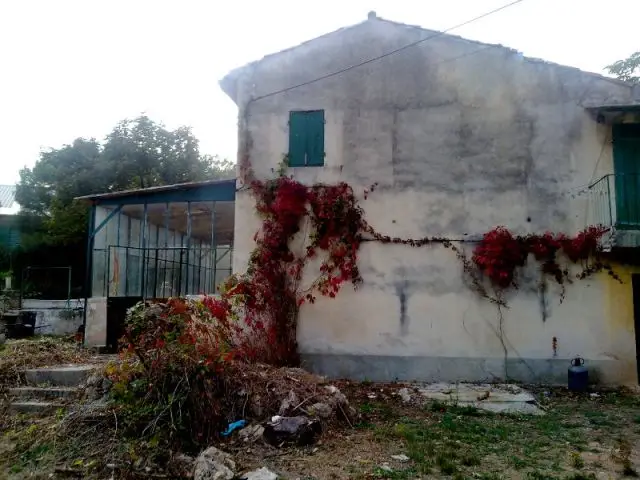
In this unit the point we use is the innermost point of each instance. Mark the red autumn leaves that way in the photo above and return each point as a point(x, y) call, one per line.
point(499, 252)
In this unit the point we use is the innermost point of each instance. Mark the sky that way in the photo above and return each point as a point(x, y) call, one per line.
point(74, 68)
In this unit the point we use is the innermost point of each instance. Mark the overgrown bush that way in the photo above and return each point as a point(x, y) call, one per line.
point(186, 373)
point(171, 384)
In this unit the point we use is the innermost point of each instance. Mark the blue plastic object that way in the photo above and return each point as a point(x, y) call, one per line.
point(234, 426)
point(578, 376)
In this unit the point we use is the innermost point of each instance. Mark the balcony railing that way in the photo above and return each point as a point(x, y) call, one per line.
point(614, 200)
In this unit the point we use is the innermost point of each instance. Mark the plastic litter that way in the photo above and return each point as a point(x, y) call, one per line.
point(234, 426)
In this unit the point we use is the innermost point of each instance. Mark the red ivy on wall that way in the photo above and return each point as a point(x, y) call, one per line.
point(500, 253)
point(270, 293)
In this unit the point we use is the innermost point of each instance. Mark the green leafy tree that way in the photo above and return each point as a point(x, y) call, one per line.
point(627, 69)
point(141, 153)
point(138, 153)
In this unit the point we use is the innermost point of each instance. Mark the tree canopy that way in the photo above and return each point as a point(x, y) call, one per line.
point(138, 153)
point(627, 69)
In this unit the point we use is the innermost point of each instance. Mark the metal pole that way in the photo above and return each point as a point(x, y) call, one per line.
point(214, 256)
point(180, 275)
point(155, 276)
point(199, 270)
point(126, 257)
point(167, 213)
point(69, 287)
point(108, 269)
point(87, 272)
point(143, 293)
point(609, 200)
point(126, 271)
point(118, 239)
point(186, 291)
point(22, 280)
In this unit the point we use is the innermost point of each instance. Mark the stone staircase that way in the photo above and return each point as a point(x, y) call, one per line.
point(49, 389)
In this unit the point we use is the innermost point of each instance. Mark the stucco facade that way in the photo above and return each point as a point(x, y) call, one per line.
point(460, 137)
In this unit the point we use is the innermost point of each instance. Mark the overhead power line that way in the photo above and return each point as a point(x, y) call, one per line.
point(392, 52)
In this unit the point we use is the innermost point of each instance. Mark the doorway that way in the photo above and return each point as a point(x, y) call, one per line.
point(635, 285)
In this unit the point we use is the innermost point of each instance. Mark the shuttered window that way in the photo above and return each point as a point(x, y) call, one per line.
point(306, 138)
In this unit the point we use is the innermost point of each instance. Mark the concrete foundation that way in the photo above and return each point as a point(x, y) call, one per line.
point(379, 368)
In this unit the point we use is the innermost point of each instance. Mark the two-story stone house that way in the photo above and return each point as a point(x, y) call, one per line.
point(461, 137)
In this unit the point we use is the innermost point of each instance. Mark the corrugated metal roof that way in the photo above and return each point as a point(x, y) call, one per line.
point(7, 196)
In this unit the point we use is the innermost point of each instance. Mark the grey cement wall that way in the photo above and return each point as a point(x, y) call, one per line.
point(461, 137)
point(55, 317)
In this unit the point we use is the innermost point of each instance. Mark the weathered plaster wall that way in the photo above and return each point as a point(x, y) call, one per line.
point(95, 334)
point(55, 317)
point(461, 138)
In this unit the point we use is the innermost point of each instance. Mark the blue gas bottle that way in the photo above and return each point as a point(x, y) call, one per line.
point(578, 375)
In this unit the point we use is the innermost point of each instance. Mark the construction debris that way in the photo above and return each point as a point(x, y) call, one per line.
point(291, 430)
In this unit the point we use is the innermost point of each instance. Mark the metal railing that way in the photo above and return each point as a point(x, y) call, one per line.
point(160, 272)
point(614, 200)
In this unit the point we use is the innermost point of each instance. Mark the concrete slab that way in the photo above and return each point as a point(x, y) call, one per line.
point(34, 407)
point(510, 407)
point(498, 398)
point(61, 376)
point(43, 393)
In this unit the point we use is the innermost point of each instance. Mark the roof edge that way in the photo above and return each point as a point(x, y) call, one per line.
point(152, 190)
point(229, 82)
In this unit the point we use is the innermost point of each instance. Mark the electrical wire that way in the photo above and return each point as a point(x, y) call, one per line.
point(392, 52)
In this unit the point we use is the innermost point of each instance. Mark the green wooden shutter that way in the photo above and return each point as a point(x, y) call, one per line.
point(297, 140)
point(306, 138)
point(315, 138)
point(626, 156)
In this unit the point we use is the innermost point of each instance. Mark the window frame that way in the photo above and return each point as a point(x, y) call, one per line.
point(306, 137)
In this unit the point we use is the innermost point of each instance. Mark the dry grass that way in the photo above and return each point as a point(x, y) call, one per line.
point(18, 355)
point(580, 437)
point(259, 391)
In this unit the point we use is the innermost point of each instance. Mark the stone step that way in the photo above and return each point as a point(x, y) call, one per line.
point(62, 376)
point(34, 407)
point(43, 393)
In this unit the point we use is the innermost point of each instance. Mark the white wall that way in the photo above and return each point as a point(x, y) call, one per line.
point(457, 148)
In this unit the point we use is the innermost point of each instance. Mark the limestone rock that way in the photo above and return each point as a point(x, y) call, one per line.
point(214, 464)
point(288, 404)
point(400, 458)
point(261, 474)
point(321, 410)
point(96, 387)
point(405, 395)
point(251, 433)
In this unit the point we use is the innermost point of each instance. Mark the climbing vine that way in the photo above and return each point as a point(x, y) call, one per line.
point(269, 295)
point(500, 253)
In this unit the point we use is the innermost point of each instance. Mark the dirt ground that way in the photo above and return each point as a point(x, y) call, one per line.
point(579, 437)
point(590, 436)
